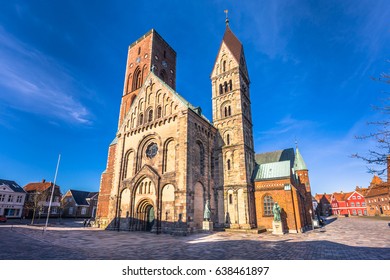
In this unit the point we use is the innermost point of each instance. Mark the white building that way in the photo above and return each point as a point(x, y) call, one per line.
point(12, 198)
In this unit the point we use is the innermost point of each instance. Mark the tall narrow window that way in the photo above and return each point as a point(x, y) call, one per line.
point(228, 139)
point(220, 89)
point(141, 119)
point(159, 110)
point(201, 158)
point(137, 79)
point(229, 111)
point(268, 205)
point(165, 54)
point(224, 66)
point(228, 164)
point(226, 86)
point(230, 199)
point(150, 116)
point(139, 50)
point(230, 85)
point(226, 111)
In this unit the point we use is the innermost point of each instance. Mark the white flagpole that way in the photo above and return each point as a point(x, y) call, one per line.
point(52, 192)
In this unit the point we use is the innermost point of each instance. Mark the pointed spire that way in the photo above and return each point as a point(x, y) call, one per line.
point(299, 163)
point(227, 18)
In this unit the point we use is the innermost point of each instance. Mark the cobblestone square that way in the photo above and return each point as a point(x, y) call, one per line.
point(341, 239)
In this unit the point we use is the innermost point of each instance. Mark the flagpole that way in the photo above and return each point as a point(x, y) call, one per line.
point(52, 192)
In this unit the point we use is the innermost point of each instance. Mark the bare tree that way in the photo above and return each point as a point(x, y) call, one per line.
point(35, 202)
point(377, 159)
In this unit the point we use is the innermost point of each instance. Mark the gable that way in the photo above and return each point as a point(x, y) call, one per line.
point(10, 186)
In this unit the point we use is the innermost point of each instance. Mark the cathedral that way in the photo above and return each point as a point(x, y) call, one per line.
point(168, 163)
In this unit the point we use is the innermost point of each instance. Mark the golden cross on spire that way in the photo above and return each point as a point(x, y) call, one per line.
point(227, 18)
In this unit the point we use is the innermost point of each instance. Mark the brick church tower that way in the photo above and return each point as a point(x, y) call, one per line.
point(233, 119)
point(148, 53)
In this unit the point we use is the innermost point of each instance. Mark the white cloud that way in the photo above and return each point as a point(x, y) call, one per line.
point(33, 82)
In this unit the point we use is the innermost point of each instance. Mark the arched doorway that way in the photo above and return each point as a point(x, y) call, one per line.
point(145, 216)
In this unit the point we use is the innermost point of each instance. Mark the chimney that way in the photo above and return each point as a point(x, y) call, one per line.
point(388, 168)
point(43, 180)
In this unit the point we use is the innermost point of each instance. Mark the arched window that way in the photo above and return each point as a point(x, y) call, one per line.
point(230, 198)
point(226, 86)
point(159, 111)
point(268, 205)
point(229, 111)
point(141, 119)
point(226, 112)
point(220, 89)
point(150, 116)
point(228, 139)
point(137, 79)
point(228, 164)
point(230, 85)
point(224, 66)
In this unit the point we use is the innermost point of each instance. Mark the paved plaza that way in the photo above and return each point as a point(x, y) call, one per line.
point(341, 239)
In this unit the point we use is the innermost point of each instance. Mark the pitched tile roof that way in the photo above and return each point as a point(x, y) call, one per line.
point(233, 44)
point(381, 189)
point(12, 185)
point(341, 196)
point(41, 186)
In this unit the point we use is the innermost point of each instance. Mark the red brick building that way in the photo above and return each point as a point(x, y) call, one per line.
point(349, 204)
point(38, 199)
point(378, 198)
point(323, 204)
point(282, 177)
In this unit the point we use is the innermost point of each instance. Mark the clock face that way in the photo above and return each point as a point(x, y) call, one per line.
point(151, 150)
point(138, 59)
point(164, 63)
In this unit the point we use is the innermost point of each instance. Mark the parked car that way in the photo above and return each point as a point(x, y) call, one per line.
point(3, 219)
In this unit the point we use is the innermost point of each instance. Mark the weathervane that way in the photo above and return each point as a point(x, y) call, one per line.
point(227, 19)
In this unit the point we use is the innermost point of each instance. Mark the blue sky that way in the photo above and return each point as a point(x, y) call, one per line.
point(62, 66)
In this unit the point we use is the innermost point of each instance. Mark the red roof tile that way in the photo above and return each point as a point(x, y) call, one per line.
point(233, 44)
point(41, 186)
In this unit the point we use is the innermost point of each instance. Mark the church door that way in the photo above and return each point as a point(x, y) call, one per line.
point(149, 218)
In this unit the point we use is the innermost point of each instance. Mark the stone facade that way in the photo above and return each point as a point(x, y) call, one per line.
point(167, 159)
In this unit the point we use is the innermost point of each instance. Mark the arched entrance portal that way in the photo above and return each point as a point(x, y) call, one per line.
point(145, 216)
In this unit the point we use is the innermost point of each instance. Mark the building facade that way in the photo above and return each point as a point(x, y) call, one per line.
point(79, 204)
point(348, 204)
point(12, 197)
point(168, 162)
point(282, 177)
point(38, 200)
point(378, 197)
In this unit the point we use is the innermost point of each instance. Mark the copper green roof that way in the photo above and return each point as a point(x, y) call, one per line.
point(299, 163)
point(273, 170)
